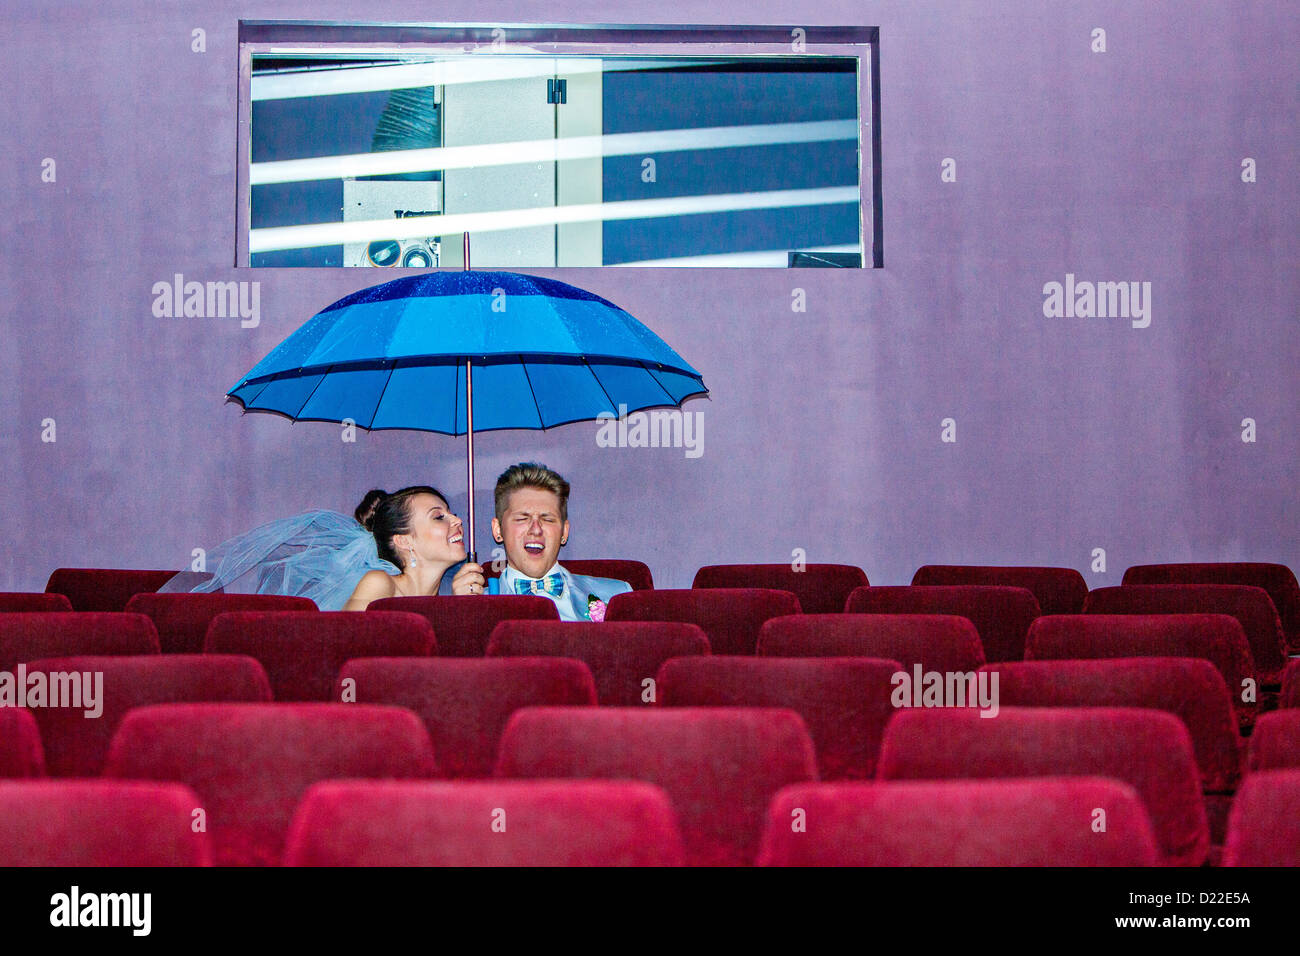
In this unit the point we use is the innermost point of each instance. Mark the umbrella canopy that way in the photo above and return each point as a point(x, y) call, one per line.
point(543, 353)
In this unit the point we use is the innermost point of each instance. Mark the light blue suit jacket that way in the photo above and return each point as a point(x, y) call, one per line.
point(573, 601)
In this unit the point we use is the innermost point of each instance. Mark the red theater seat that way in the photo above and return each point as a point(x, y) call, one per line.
point(720, 766)
point(1147, 749)
point(622, 655)
point(251, 763)
point(104, 589)
point(635, 573)
point(1277, 579)
point(31, 636)
point(76, 745)
point(936, 642)
point(1264, 825)
point(1035, 822)
point(538, 823)
point(1217, 638)
point(302, 651)
point(13, 602)
point(844, 701)
point(85, 823)
point(465, 702)
point(729, 617)
point(182, 619)
point(1001, 615)
point(464, 623)
point(820, 588)
point(1249, 605)
point(21, 754)
point(1290, 685)
point(1057, 590)
point(1190, 689)
point(1275, 744)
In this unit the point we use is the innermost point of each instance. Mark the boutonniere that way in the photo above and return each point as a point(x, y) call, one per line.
point(595, 608)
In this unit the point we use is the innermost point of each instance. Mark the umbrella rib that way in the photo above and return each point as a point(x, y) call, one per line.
point(612, 407)
point(532, 391)
point(313, 392)
point(382, 392)
point(661, 385)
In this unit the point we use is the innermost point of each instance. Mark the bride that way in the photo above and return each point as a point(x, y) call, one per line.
point(399, 545)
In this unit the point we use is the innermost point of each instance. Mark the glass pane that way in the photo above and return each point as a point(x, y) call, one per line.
point(555, 160)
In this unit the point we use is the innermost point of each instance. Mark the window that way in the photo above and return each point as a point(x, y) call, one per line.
point(558, 146)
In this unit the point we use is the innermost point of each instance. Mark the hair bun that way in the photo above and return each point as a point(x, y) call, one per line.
point(365, 512)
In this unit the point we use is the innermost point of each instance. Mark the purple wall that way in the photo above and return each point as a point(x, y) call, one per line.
point(823, 430)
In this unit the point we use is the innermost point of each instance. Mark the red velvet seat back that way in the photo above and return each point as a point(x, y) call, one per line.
point(1264, 824)
point(729, 617)
point(1032, 822)
point(1192, 690)
point(936, 642)
point(1250, 605)
point(251, 763)
point(820, 588)
point(1001, 615)
point(1275, 744)
point(302, 651)
point(720, 766)
point(464, 623)
point(1057, 590)
point(465, 702)
point(12, 602)
point(76, 745)
point(21, 753)
point(541, 823)
point(1290, 696)
point(1277, 579)
point(1217, 638)
point(182, 619)
point(104, 589)
point(94, 823)
point(844, 701)
point(1147, 749)
point(31, 636)
point(622, 655)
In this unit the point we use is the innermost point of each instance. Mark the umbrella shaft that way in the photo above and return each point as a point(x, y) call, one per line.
point(469, 433)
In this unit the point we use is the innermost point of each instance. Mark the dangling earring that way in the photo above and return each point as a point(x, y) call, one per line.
point(415, 562)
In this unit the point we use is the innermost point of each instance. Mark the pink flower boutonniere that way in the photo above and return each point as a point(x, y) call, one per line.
point(595, 608)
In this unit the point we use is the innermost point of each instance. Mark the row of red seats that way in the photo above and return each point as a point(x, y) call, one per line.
point(731, 618)
point(846, 702)
point(1058, 590)
point(820, 588)
point(302, 651)
point(249, 765)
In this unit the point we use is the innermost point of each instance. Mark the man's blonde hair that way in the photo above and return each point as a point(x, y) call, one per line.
point(529, 474)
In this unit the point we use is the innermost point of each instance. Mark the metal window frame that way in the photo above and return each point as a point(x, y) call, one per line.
point(307, 36)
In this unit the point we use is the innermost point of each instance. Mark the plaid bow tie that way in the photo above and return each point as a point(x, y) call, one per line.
point(552, 584)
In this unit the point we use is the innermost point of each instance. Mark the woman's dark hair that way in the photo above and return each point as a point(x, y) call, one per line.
point(366, 510)
point(390, 515)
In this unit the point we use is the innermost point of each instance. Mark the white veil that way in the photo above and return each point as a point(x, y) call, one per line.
point(318, 554)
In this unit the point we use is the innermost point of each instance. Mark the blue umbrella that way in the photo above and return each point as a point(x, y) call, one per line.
point(538, 353)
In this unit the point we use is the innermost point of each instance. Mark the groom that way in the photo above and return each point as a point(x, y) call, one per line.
point(532, 521)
